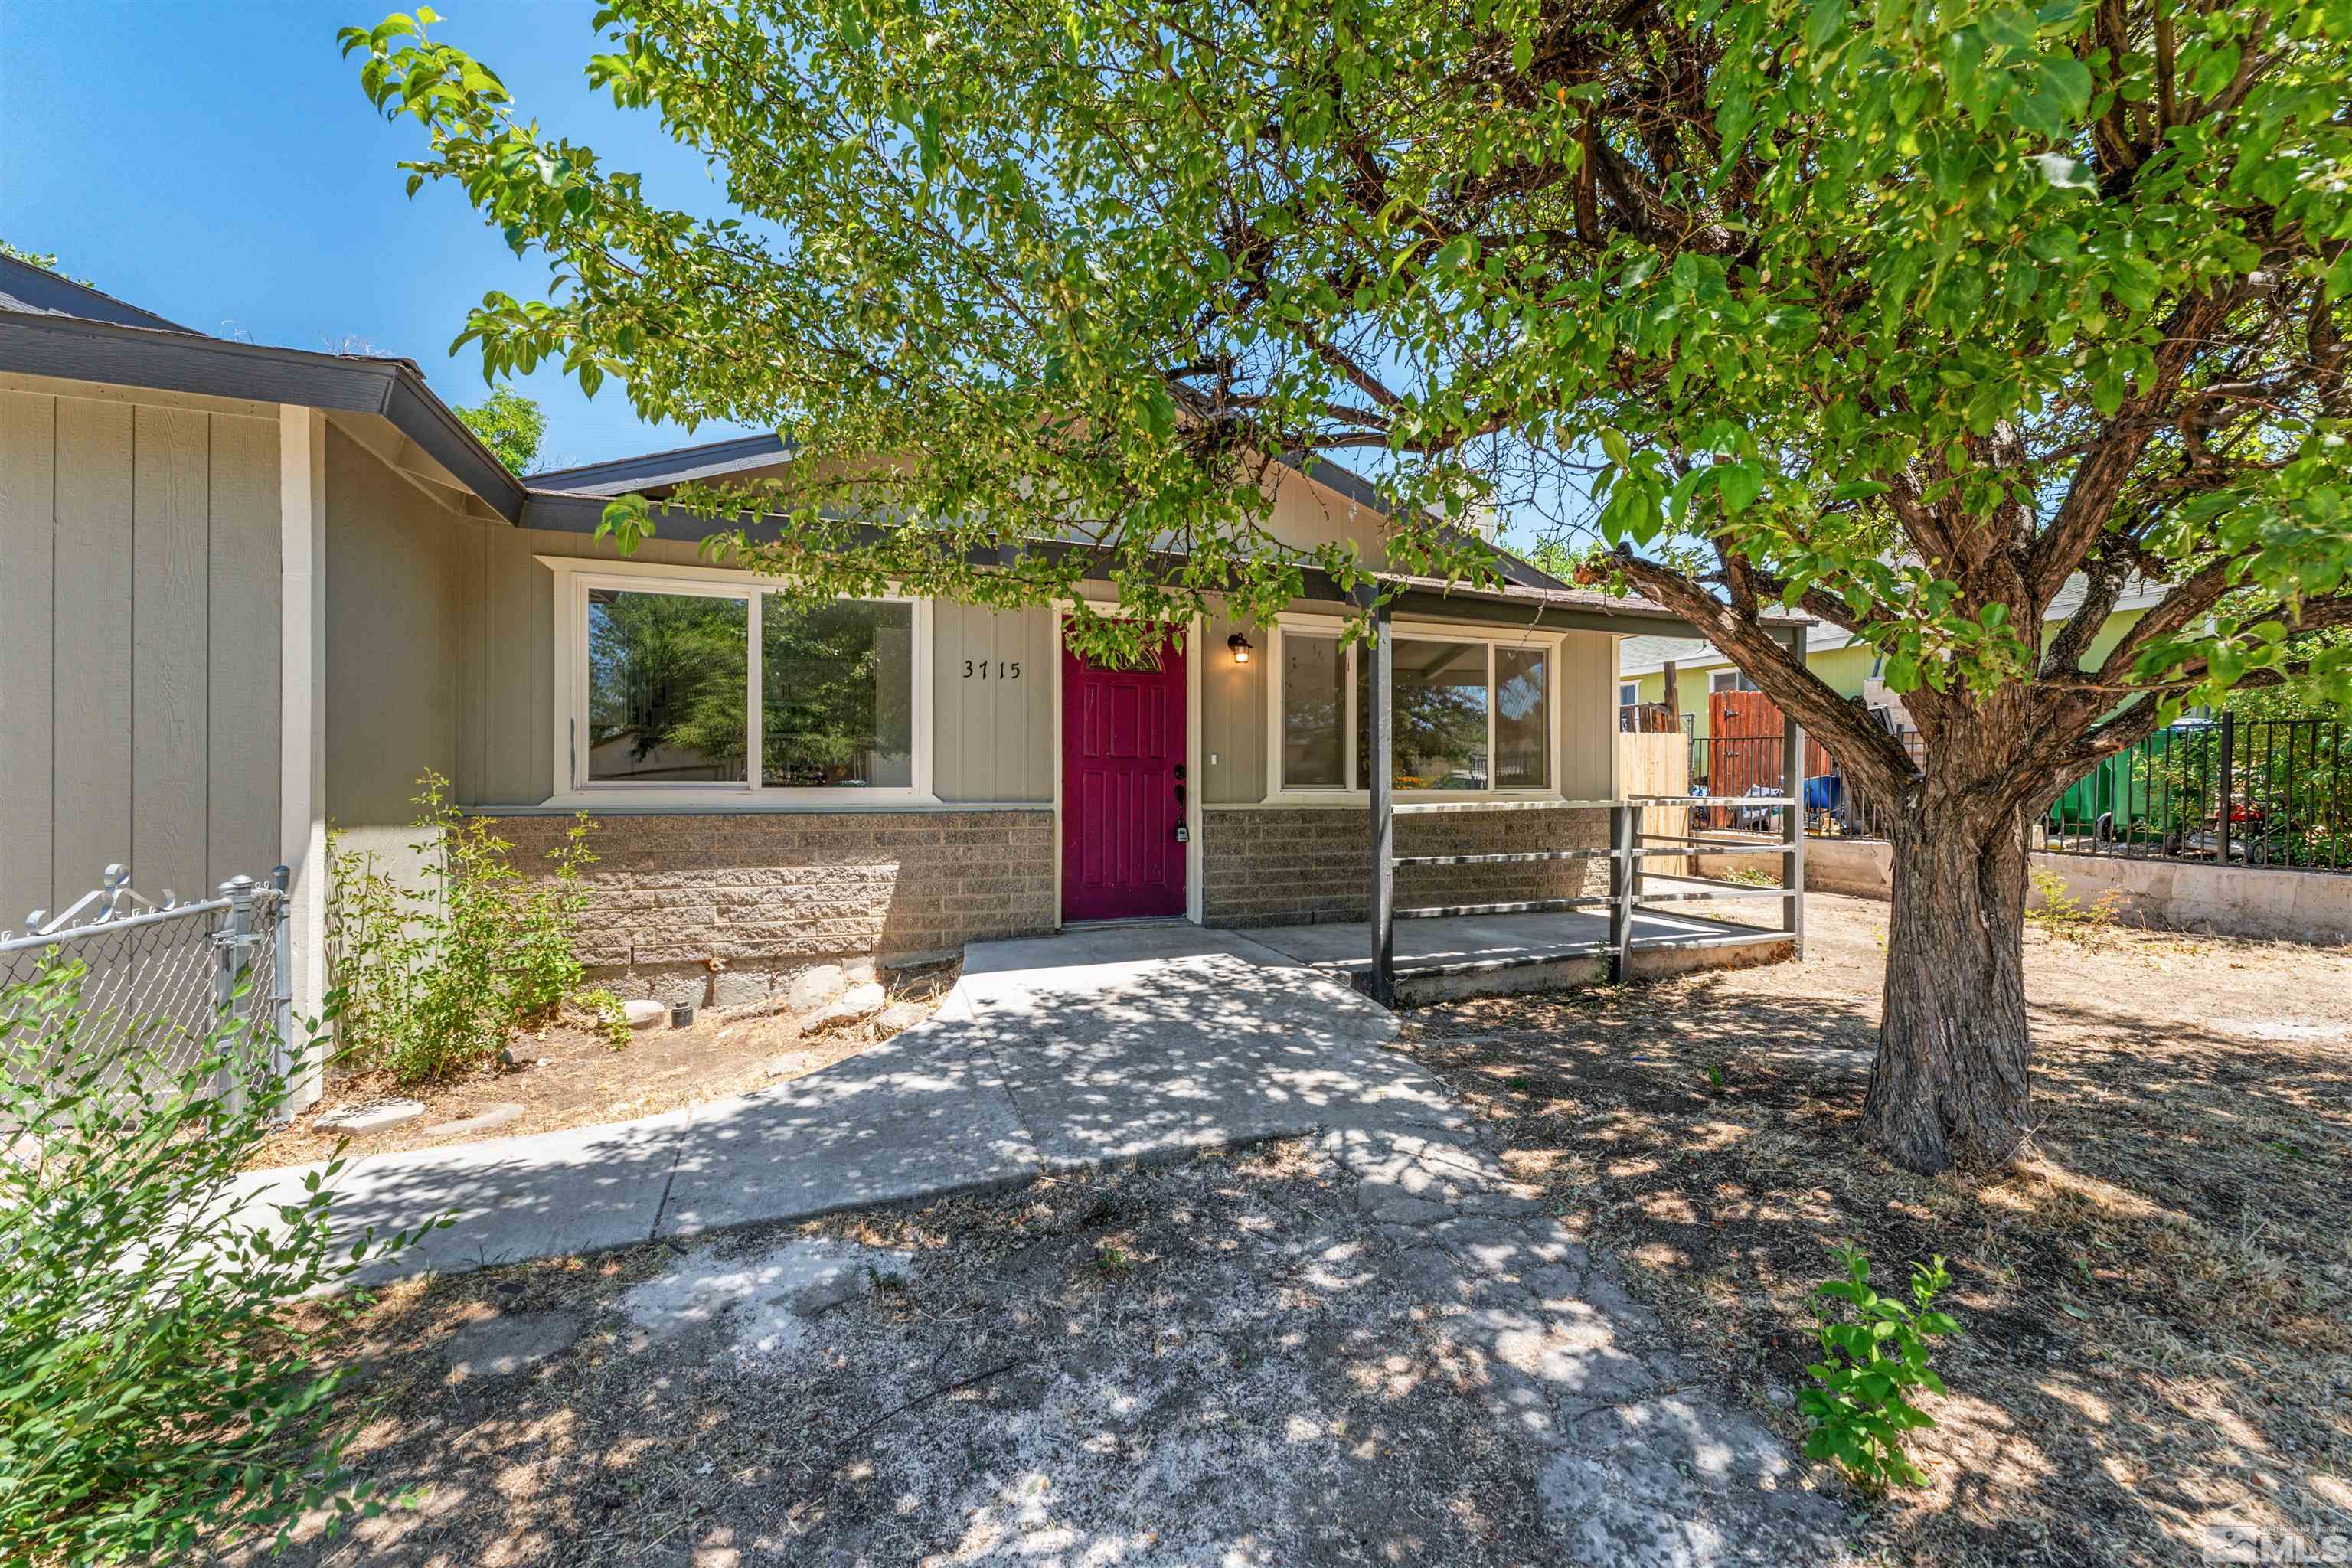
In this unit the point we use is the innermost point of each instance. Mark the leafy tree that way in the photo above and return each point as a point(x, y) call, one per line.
point(1899, 314)
point(45, 262)
point(511, 425)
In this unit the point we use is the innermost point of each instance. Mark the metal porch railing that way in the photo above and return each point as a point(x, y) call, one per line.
point(1630, 884)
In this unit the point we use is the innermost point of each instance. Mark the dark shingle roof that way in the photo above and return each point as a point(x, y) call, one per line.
point(30, 290)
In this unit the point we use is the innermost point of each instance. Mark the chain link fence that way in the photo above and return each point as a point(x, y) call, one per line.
point(161, 979)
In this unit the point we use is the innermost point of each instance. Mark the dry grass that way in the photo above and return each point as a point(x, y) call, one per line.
point(2158, 1304)
point(1191, 1364)
point(569, 1074)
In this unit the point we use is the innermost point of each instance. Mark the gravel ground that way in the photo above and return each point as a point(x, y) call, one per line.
point(2155, 1304)
point(1360, 1348)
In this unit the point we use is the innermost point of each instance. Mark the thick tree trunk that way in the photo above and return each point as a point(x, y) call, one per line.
point(1950, 1086)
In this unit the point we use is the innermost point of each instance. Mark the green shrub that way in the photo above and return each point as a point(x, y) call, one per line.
point(154, 1393)
point(1870, 1363)
point(438, 972)
point(2061, 914)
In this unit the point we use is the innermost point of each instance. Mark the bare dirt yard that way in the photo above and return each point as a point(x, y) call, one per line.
point(1192, 1363)
point(1230, 1360)
point(570, 1073)
point(2157, 1305)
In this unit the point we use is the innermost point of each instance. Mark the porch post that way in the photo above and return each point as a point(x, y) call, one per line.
point(1381, 787)
point(1620, 890)
point(1792, 828)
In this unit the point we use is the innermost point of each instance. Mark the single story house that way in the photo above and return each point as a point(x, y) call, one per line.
point(251, 592)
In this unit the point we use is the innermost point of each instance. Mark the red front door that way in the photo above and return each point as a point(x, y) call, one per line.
point(1122, 789)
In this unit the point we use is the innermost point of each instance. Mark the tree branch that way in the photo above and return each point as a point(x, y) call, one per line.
point(2108, 463)
point(1859, 745)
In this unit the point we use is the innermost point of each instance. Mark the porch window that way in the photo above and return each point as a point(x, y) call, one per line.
point(1472, 715)
point(1522, 719)
point(667, 673)
point(1314, 712)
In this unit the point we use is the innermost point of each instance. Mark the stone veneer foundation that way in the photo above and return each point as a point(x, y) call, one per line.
point(1297, 865)
point(725, 908)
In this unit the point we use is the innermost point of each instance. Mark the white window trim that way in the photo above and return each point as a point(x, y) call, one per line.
point(1629, 694)
point(1353, 793)
point(573, 579)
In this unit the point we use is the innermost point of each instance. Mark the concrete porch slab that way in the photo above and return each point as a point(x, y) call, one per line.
point(1490, 954)
point(1147, 1043)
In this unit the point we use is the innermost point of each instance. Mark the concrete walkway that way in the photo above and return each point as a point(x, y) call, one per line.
point(1122, 1043)
point(1147, 1043)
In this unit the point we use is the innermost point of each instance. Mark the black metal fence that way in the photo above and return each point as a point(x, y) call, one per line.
point(2286, 783)
point(2229, 790)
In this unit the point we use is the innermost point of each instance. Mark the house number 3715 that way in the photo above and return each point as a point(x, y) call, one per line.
point(983, 669)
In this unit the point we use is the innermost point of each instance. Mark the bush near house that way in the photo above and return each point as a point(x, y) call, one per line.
point(436, 973)
point(155, 1396)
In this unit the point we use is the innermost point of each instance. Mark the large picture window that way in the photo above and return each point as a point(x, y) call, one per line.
point(1472, 714)
point(664, 675)
point(837, 695)
point(1314, 712)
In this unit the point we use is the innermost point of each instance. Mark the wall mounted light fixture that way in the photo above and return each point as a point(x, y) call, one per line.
point(1241, 646)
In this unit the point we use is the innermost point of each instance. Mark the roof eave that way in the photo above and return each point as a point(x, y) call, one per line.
point(77, 349)
point(1548, 609)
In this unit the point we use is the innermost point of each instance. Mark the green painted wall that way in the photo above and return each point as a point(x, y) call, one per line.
point(1846, 668)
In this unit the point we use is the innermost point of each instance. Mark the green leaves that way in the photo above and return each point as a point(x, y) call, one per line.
point(511, 425)
point(2060, 91)
point(1035, 271)
point(1873, 1356)
point(152, 1402)
point(1738, 484)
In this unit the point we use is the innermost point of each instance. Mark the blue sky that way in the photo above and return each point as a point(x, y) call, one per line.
point(218, 164)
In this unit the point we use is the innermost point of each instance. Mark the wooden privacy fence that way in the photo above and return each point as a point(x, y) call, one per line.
point(1656, 765)
point(1745, 729)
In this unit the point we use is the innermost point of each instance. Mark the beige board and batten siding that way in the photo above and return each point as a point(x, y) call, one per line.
point(1233, 714)
point(139, 633)
point(1588, 716)
point(395, 625)
point(992, 729)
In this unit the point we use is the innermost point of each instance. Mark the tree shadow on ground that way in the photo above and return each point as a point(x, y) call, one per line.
point(1194, 1362)
point(2155, 1301)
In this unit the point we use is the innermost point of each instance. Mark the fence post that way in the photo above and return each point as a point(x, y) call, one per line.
point(1792, 828)
point(2229, 790)
point(281, 981)
point(229, 946)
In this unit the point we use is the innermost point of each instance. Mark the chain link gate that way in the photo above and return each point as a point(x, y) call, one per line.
point(173, 972)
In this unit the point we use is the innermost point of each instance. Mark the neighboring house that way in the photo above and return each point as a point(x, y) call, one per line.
point(251, 592)
point(1850, 667)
